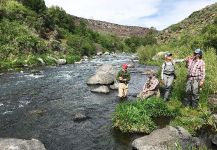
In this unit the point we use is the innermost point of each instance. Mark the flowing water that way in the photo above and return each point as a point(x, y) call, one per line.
point(42, 104)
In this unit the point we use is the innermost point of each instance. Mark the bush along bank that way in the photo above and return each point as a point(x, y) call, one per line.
point(140, 116)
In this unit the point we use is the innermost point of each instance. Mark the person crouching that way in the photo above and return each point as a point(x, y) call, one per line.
point(151, 87)
point(123, 77)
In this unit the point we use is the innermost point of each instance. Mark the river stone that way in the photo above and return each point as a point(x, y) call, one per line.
point(20, 144)
point(102, 89)
point(161, 139)
point(38, 112)
point(214, 139)
point(41, 61)
point(79, 116)
point(99, 54)
point(61, 61)
point(106, 53)
point(114, 86)
point(85, 57)
point(105, 75)
point(131, 65)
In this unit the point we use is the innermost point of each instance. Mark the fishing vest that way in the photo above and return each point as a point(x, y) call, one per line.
point(169, 69)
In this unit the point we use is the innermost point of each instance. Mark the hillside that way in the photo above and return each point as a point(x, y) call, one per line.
point(118, 30)
point(31, 32)
point(191, 25)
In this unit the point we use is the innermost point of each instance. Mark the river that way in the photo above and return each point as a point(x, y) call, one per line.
point(41, 104)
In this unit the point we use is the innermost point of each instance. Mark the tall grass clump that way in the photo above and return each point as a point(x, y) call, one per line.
point(138, 116)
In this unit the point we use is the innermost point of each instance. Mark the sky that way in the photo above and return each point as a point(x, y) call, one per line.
point(145, 13)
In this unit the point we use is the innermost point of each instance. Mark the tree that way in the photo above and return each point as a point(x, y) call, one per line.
point(36, 5)
point(61, 18)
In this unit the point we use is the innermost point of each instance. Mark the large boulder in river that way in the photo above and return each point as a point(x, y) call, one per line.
point(102, 89)
point(19, 144)
point(165, 138)
point(104, 75)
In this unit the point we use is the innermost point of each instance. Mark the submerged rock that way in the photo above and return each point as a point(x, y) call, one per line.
point(38, 112)
point(78, 117)
point(162, 139)
point(101, 89)
point(20, 144)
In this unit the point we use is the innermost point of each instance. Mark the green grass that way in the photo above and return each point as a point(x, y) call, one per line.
point(139, 116)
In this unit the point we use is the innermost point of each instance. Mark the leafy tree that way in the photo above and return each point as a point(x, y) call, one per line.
point(36, 5)
point(61, 18)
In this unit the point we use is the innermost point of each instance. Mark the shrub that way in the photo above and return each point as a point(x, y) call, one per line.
point(36, 5)
point(138, 116)
point(16, 11)
point(29, 43)
point(61, 18)
point(72, 58)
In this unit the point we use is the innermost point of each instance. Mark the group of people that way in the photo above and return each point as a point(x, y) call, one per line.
point(195, 79)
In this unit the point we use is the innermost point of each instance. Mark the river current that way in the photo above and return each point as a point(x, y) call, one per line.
point(41, 104)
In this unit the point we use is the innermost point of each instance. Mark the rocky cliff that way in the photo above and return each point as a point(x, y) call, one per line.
point(118, 30)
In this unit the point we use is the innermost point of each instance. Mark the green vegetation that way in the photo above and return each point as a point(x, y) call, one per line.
point(139, 116)
point(128, 118)
point(135, 42)
point(29, 31)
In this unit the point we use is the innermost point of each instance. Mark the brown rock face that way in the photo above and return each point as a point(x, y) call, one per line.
point(118, 30)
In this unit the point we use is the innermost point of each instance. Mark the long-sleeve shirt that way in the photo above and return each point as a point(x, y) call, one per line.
point(125, 75)
point(151, 84)
point(196, 68)
point(169, 63)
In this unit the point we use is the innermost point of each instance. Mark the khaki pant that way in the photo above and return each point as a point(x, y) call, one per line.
point(145, 95)
point(122, 89)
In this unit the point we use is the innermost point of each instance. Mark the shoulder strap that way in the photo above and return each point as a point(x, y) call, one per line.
point(166, 64)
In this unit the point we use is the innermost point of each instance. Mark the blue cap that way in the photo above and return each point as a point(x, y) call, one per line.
point(198, 51)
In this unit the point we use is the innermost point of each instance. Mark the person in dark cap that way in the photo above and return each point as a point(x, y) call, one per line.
point(123, 77)
point(195, 78)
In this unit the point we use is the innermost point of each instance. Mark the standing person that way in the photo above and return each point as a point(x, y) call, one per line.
point(195, 78)
point(123, 77)
point(168, 74)
point(151, 87)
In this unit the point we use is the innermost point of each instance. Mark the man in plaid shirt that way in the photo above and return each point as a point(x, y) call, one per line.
point(195, 78)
